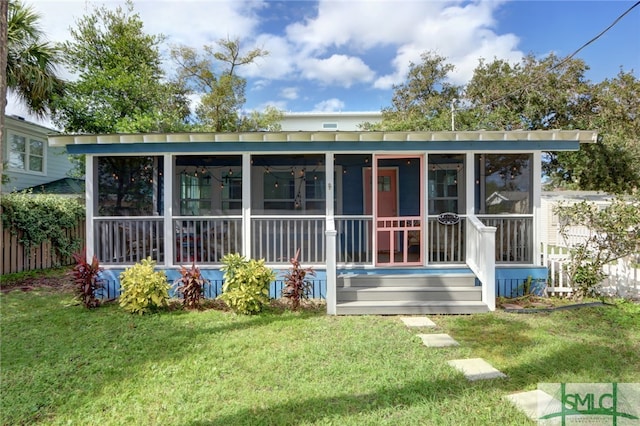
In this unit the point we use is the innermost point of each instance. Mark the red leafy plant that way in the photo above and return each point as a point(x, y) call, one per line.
point(191, 285)
point(296, 285)
point(86, 277)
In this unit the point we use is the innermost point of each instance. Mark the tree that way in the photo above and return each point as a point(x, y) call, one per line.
point(613, 163)
point(531, 95)
point(31, 61)
point(423, 102)
point(120, 85)
point(4, 17)
point(267, 121)
point(222, 90)
point(534, 94)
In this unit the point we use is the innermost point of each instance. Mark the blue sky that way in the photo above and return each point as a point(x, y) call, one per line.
point(346, 55)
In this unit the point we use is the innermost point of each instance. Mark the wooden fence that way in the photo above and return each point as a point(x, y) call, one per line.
point(17, 258)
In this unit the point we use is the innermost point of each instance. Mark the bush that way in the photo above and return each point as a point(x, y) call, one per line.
point(42, 217)
point(191, 286)
point(86, 279)
point(246, 284)
point(143, 289)
point(614, 233)
point(296, 285)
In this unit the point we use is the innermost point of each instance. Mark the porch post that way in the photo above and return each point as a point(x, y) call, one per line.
point(470, 183)
point(246, 205)
point(89, 167)
point(331, 234)
point(537, 201)
point(488, 247)
point(169, 232)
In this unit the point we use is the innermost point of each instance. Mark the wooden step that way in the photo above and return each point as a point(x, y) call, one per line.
point(410, 307)
point(412, 293)
point(407, 280)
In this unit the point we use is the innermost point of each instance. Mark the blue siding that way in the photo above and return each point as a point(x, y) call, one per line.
point(510, 281)
point(111, 279)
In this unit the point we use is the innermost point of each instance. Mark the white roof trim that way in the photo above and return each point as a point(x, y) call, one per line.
point(582, 136)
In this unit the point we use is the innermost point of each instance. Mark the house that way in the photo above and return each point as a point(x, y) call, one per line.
point(550, 221)
point(328, 121)
point(29, 160)
point(393, 222)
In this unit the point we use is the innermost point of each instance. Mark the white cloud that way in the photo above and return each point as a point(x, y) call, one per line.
point(278, 64)
point(339, 70)
point(290, 93)
point(460, 34)
point(329, 105)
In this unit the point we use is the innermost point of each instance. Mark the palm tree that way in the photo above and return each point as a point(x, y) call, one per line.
point(31, 61)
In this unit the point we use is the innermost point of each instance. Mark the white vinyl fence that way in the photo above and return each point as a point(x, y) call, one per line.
point(623, 276)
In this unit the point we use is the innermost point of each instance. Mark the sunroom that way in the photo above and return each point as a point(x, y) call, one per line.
point(379, 215)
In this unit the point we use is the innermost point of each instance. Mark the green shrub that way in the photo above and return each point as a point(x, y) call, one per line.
point(246, 284)
point(143, 289)
point(42, 217)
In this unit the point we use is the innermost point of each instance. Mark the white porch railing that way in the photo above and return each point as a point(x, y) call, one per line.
point(446, 243)
point(514, 237)
point(206, 239)
point(354, 239)
point(124, 240)
point(276, 239)
point(480, 255)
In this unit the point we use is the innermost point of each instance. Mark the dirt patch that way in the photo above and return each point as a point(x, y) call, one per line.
point(60, 282)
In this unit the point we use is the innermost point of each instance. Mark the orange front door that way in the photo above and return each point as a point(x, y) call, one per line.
point(387, 200)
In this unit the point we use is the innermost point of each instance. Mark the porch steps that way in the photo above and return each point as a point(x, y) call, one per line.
point(398, 294)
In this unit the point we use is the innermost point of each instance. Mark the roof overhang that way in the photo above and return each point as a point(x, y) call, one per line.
point(544, 140)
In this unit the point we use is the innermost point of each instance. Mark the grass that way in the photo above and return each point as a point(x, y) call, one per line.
point(63, 364)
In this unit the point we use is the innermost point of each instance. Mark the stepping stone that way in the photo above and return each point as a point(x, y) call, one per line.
point(530, 403)
point(437, 340)
point(418, 322)
point(476, 369)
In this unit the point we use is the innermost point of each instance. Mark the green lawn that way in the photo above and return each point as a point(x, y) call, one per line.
point(63, 364)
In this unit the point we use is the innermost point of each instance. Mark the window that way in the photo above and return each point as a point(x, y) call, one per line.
point(330, 126)
point(26, 154)
point(129, 186)
point(504, 183)
point(294, 190)
point(446, 183)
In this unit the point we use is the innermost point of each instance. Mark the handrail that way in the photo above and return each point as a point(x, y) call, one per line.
point(480, 256)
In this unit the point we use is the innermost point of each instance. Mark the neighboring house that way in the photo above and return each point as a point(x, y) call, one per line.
point(29, 160)
point(392, 222)
point(550, 221)
point(328, 121)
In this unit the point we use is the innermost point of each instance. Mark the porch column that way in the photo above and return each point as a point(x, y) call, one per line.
point(537, 196)
point(89, 203)
point(331, 233)
point(470, 183)
point(169, 232)
point(246, 205)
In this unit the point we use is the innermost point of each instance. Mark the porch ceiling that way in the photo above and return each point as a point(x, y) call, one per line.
point(338, 141)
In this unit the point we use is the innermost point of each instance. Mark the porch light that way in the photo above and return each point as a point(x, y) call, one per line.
point(230, 172)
